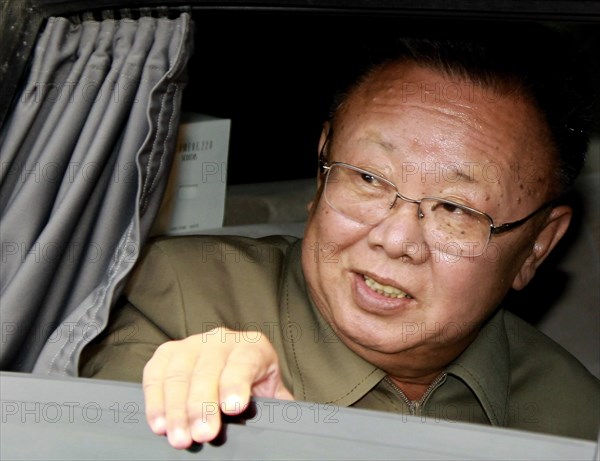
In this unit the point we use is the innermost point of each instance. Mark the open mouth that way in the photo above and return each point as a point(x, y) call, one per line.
point(385, 290)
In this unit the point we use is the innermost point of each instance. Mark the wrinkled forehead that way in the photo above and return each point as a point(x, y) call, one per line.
point(406, 94)
point(425, 115)
point(409, 82)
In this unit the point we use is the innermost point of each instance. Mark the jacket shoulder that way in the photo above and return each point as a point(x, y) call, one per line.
point(550, 390)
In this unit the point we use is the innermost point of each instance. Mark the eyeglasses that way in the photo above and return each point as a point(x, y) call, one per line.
point(449, 227)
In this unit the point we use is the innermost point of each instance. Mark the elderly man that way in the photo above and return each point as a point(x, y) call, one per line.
point(440, 171)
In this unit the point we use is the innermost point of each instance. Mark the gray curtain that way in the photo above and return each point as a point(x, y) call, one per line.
point(84, 156)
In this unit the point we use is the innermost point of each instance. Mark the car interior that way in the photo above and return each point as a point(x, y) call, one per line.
point(271, 66)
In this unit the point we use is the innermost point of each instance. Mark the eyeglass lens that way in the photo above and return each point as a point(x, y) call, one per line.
point(366, 198)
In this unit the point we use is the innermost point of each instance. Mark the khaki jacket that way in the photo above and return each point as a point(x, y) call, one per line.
point(511, 375)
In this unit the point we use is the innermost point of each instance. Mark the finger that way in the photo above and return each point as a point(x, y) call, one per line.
point(244, 366)
point(203, 409)
point(176, 384)
point(249, 371)
point(152, 382)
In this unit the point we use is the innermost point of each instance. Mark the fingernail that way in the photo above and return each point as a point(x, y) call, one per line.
point(232, 404)
point(178, 438)
point(201, 431)
point(159, 425)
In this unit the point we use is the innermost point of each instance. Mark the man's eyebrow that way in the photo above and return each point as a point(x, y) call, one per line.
point(375, 138)
point(462, 176)
point(452, 170)
point(387, 146)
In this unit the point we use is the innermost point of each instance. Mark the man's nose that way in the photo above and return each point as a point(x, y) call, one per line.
point(400, 233)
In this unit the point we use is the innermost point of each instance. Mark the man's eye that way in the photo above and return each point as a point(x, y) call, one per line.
point(451, 208)
point(370, 179)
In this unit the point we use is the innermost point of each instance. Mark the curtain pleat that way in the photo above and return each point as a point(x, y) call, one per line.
point(85, 158)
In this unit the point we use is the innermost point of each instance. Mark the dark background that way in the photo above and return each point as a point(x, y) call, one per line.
point(272, 65)
point(273, 74)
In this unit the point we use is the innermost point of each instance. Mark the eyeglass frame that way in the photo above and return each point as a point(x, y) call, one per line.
point(325, 167)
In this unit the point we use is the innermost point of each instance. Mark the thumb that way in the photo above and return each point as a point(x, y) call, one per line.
point(282, 393)
point(272, 386)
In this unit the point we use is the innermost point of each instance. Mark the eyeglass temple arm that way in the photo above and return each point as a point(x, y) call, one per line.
point(323, 163)
point(323, 160)
point(512, 225)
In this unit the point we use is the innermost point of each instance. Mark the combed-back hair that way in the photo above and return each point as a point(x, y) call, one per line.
point(538, 61)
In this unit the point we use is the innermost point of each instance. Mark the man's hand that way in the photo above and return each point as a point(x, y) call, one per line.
point(187, 383)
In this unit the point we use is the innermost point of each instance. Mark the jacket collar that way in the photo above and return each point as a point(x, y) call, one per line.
point(485, 368)
point(325, 370)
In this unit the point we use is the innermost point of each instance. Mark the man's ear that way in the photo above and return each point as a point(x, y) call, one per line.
point(553, 230)
point(324, 136)
point(322, 141)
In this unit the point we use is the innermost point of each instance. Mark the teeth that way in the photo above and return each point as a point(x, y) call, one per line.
point(385, 290)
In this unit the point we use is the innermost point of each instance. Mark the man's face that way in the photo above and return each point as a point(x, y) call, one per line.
point(431, 136)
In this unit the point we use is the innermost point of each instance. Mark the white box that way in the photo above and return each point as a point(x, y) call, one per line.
point(195, 194)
